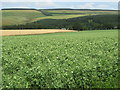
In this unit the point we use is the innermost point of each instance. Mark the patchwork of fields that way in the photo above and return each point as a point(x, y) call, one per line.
point(61, 60)
point(16, 17)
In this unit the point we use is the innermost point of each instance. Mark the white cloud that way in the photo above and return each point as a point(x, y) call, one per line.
point(26, 1)
point(84, 6)
point(103, 7)
point(45, 4)
point(59, 1)
point(52, 4)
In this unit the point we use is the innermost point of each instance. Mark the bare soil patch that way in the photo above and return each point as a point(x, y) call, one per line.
point(31, 32)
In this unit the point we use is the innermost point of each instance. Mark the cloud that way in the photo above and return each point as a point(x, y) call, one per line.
point(29, 4)
point(50, 4)
point(59, 1)
point(45, 4)
point(103, 6)
point(26, 1)
point(84, 6)
point(106, 7)
point(94, 5)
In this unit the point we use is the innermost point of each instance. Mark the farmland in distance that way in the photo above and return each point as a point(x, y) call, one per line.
point(12, 17)
point(16, 17)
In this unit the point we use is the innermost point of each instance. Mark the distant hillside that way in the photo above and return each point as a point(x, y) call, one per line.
point(18, 16)
point(94, 22)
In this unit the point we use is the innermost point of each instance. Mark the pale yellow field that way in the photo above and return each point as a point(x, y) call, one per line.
point(59, 17)
point(31, 32)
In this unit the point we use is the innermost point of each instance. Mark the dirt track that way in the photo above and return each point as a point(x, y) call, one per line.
point(31, 32)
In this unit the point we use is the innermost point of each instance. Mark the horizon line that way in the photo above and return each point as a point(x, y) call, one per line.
point(54, 8)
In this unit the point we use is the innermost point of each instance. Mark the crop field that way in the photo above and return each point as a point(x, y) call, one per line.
point(16, 17)
point(85, 59)
point(81, 12)
point(31, 32)
point(11, 17)
point(59, 17)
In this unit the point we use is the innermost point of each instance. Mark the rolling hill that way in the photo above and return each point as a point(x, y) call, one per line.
point(13, 16)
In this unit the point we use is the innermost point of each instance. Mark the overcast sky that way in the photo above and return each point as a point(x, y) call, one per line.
point(75, 4)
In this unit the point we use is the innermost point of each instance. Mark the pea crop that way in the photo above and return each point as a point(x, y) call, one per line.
point(86, 59)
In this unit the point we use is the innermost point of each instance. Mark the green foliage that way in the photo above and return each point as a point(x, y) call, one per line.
point(87, 59)
point(95, 22)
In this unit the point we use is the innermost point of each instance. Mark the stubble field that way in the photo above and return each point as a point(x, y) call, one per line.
point(31, 32)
